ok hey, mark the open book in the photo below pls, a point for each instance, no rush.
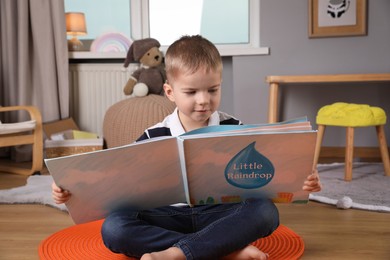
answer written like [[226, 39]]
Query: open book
[[215, 164]]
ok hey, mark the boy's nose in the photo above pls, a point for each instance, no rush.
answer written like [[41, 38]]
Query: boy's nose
[[203, 98]]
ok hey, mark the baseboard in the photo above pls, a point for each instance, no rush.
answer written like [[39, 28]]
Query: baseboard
[[337, 154]]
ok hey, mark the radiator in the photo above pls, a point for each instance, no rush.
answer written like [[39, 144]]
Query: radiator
[[94, 88]]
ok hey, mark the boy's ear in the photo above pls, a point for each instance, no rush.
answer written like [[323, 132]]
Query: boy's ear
[[169, 92]]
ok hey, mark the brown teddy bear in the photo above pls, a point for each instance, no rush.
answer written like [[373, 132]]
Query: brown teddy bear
[[150, 77]]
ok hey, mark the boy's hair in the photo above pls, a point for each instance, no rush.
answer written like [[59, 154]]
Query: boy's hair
[[189, 54]]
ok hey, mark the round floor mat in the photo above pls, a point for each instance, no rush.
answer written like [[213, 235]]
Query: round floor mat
[[84, 241]]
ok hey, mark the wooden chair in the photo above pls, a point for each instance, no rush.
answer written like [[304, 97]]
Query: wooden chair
[[351, 116], [23, 133]]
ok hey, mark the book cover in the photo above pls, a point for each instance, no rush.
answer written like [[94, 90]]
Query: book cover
[[231, 169], [141, 176], [223, 165]]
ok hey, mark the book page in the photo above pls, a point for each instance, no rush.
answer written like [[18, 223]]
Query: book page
[[298, 124], [223, 169], [141, 175]]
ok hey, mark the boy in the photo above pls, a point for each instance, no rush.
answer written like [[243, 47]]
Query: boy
[[194, 75]]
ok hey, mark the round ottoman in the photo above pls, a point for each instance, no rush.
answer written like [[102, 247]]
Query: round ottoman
[[126, 120]]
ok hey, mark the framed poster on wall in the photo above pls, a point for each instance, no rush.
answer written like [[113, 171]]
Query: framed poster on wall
[[334, 18]]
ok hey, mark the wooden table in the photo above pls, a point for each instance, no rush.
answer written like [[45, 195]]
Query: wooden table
[[276, 81]]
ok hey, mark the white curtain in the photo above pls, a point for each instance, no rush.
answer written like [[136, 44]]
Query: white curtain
[[34, 58]]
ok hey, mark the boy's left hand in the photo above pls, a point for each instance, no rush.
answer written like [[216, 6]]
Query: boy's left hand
[[312, 183]]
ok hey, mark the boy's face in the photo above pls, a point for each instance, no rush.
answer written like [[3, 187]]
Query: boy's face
[[196, 96]]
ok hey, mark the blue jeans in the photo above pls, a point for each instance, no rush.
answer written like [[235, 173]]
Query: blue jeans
[[201, 232]]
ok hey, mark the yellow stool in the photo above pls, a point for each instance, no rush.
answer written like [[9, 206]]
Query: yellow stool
[[351, 116]]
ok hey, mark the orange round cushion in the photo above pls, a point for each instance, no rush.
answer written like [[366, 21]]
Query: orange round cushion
[[84, 241], [350, 115]]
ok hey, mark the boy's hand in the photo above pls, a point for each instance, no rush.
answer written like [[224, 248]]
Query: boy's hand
[[312, 183], [59, 195]]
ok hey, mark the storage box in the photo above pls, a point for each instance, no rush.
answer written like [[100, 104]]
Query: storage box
[[58, 148], [59, 126], [67, 127], [73, 134]]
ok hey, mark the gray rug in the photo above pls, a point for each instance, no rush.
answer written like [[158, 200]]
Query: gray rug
[[368, 190]]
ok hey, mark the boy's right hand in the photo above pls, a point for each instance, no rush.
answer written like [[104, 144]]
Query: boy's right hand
[[59, 195]]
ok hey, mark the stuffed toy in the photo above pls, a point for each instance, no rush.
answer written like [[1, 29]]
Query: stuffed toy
[[150, 77]]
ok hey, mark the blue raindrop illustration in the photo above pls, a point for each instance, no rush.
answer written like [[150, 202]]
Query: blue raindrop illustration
[[249, 169]]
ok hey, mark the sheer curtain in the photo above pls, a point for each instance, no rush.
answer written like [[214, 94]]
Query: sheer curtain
[[34, 57]]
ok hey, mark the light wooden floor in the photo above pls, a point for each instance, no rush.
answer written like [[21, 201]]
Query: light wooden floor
[[329, 233]]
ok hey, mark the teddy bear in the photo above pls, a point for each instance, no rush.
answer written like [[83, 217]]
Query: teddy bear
[[150, 77]]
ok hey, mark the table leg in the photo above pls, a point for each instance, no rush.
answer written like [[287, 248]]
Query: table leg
[[273, 103]]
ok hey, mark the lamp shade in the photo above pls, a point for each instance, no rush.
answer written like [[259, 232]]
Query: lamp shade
[[75, 24]]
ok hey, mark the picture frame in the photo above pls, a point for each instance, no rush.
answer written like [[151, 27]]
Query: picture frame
[[329, 18]]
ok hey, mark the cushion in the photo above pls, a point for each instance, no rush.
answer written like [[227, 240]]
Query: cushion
[[17, 127], [84, 241], [350, 115]]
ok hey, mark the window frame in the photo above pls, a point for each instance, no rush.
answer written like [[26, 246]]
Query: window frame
[[140, 16]]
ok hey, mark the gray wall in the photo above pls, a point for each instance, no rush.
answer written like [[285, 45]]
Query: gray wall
[[284, 26]]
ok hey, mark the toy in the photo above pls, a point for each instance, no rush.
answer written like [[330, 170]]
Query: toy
[[150, 77], [344, 203]]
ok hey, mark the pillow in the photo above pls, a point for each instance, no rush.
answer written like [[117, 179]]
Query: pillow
[[17, 127]]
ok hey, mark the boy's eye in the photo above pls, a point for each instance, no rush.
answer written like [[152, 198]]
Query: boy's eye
[[213, 90]]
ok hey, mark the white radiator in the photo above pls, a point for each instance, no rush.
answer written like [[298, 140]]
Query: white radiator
[[94, 88]]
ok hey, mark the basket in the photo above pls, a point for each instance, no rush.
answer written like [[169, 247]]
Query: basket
[[61, 148]]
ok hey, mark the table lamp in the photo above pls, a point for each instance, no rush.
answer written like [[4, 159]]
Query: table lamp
[[75, 26]]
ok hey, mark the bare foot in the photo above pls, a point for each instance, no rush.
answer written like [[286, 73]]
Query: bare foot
[[249, 252], [172, 253]]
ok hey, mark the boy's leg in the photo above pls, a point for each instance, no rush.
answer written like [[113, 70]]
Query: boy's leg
[[226, 228], [203, 232], [135, 233]]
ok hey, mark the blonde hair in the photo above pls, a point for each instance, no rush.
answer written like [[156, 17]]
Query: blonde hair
[[189, 54]]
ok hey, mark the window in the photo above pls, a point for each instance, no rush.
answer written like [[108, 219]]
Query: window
[[234, 26], [170, 19], [102, 16]]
